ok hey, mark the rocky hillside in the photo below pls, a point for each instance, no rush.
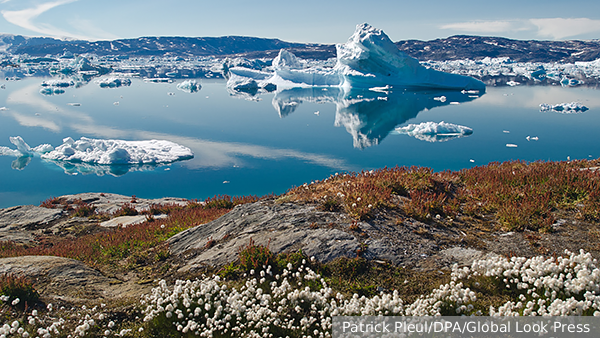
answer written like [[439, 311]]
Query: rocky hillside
[[451, 48]]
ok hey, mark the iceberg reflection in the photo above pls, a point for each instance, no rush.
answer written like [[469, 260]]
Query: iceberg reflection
[[116, 170], [369, 116]]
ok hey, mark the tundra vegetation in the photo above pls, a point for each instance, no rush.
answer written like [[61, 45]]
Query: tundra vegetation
[[288, 294]]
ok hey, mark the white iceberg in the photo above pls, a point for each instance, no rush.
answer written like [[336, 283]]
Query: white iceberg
[[371, 59], [368, 60], [189, 86], [57, 83], [435, 132], [51, 91], [118, 151], [113, 82], [567, 108]]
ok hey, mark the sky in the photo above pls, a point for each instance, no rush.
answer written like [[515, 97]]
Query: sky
[[301, 21]]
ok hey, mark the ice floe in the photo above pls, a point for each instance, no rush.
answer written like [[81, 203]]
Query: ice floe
[[189, 86], [435, 132], [368, 60], [567, 108], [118, 151], [113, 82], [105, 152]]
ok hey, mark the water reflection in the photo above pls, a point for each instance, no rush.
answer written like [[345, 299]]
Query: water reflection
[[75, 168], [369, 116]]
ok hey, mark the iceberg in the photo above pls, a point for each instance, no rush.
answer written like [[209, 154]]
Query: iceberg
[[368, 60], [189, 86], [57, 83], [113, 82], [567, 108], [435, 132], [371, 59], [101, 151]]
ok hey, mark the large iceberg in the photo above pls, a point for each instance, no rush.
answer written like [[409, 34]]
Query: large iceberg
[[435, 132], [369, 59]]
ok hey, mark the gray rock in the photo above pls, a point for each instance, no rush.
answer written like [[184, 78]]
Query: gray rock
[[290, 227], [283, 227], [109, 203], [68, 279], [18, 223]]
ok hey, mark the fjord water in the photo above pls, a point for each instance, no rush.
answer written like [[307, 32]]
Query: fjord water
[[276, 140]]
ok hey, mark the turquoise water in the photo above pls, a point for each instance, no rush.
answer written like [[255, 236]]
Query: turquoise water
[[268, 145]]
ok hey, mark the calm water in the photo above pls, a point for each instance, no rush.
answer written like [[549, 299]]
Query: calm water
[[258, 147]]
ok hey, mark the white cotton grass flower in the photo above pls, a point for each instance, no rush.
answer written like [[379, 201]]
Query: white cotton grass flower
[[298, 299]]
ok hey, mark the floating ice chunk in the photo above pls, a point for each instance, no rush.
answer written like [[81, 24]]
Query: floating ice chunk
[[511, 145], [113, 82], [57, 83], [386, 89], [43, 148], [158, 80], [567, 108], [189, 86], [51, 91], [435, 132], [286, 60], [22, 146], [23, 149], [242, 84], [118, 151]]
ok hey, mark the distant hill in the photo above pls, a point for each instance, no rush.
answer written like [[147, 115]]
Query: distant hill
[[451, 48], [477, 47]]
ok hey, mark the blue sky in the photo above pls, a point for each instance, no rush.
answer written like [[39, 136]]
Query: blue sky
[[300, 21]]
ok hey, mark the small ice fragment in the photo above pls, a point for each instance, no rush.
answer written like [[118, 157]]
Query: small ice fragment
[[510, 145], [385, 89]]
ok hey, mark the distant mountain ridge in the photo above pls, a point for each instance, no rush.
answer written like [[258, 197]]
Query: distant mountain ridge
[[451, 48]]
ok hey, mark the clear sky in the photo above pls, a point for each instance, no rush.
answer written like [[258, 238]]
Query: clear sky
[[319, 21]]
